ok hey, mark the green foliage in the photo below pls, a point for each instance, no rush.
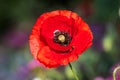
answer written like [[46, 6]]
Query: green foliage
[[19, 15]]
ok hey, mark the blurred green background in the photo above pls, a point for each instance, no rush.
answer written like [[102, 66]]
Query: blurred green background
[[17, 18]]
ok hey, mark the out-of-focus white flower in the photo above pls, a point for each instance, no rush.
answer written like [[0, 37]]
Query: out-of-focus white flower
[[36, 78]]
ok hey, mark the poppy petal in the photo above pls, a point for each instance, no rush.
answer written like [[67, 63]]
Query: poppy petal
[[52, 54]]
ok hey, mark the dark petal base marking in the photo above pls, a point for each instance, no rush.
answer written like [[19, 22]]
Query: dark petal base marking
[[65, 38]]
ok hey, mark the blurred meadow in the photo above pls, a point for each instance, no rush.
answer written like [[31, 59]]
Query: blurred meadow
[[17, 18]]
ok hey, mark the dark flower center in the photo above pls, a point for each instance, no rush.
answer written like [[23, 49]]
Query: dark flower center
[[62, 38]]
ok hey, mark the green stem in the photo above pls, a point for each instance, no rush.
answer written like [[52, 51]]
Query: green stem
[[115, 71], [73, 71]]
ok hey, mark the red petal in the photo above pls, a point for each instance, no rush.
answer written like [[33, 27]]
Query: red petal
[[83, 39], [51, 59], [42, 32], [52, 24]]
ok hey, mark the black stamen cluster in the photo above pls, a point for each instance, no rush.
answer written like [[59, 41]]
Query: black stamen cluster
[[67, 38]]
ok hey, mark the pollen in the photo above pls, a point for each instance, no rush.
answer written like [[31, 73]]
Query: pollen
[[61, 38]]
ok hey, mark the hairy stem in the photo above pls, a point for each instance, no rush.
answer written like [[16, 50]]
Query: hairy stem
[[73, 71], [114, 72]]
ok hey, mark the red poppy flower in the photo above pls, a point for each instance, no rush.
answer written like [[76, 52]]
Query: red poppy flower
[[58, 37]]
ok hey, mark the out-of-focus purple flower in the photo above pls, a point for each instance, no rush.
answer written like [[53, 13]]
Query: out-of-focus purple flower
[[114, 66], [23, 72], [118, 71], [99, 78], [118, 75], [15, 39], [33, 64], [110, 78], [99, 30]]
